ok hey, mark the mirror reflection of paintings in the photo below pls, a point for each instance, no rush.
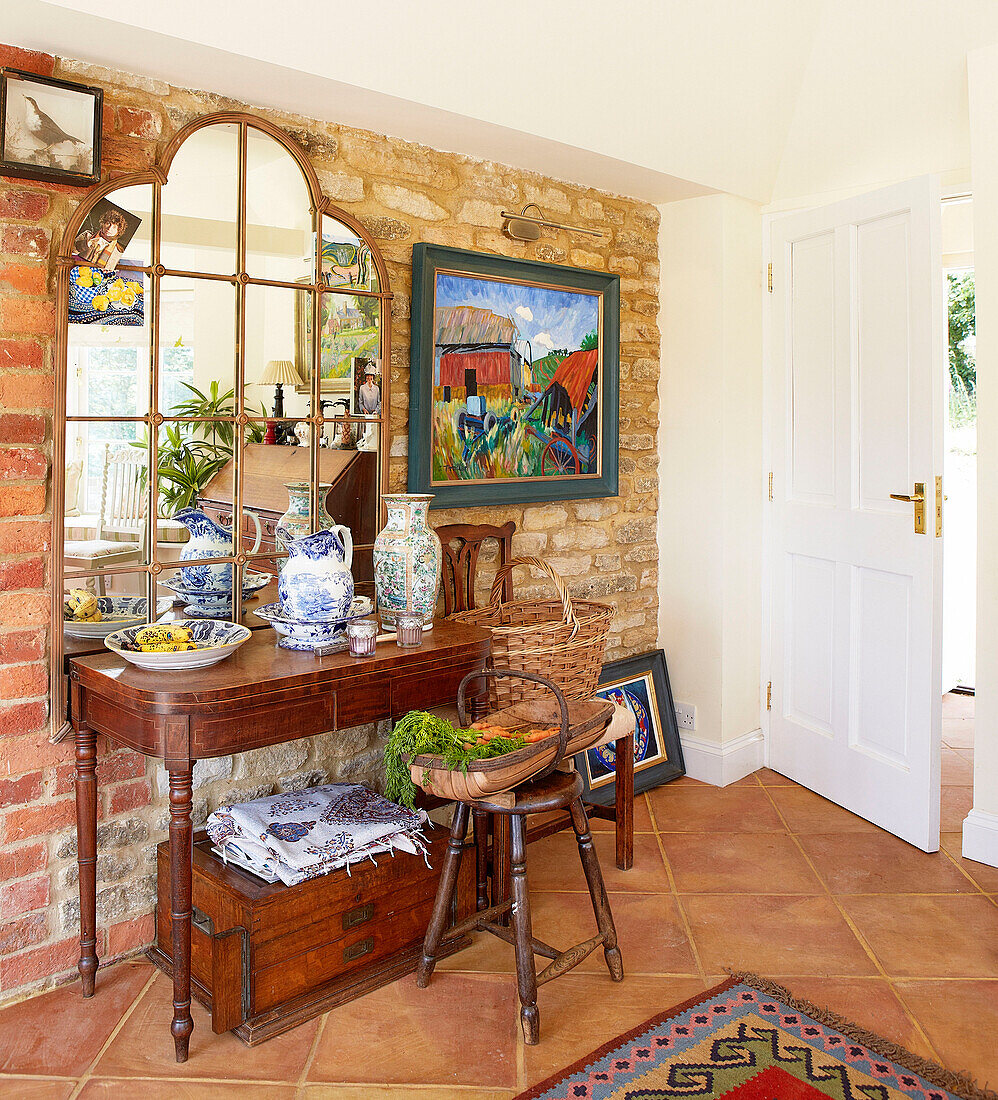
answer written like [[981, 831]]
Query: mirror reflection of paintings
[[516, 380], [349, 327], [638, 696], [50, 128], [346, 259], [366, 387], [104, 235], [106, 297]]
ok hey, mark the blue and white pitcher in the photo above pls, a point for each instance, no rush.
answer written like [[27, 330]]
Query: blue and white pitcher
[[316, 584], [210, 540]]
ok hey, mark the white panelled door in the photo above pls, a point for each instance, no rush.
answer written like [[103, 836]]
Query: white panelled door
[[854, 410]]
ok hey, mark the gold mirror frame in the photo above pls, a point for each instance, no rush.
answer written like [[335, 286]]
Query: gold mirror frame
[[157, 176]]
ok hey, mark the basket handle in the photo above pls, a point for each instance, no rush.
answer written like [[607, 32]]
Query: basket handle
[[555, 577], [501, 673]]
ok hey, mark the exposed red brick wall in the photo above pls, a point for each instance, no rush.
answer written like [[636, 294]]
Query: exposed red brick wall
[[36, 799]]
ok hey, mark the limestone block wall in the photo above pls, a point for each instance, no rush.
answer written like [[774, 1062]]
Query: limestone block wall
[[404, 193]]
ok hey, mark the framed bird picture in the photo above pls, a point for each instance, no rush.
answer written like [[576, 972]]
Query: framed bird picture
[[49, 129]]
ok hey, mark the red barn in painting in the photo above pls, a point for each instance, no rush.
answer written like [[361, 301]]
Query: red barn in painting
[[476, 348]]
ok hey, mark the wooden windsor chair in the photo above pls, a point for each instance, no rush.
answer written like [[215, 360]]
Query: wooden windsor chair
[[550, 789], [462, 546]]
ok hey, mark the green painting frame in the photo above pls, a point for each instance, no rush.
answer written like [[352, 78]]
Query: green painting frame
[[427, 261]]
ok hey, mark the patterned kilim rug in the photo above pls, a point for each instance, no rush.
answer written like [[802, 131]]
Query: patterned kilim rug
[[750, 1039]]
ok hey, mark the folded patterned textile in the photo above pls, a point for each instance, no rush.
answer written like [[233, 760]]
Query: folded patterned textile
[[309, 833]]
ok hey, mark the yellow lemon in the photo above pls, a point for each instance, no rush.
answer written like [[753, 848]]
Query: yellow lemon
[[114, 292], [135, 288], [101, 302], [127, 298]]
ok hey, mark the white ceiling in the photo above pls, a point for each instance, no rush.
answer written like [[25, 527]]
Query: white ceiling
[[660, 99]]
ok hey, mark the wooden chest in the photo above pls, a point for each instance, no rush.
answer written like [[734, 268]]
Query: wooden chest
[[265, 958]]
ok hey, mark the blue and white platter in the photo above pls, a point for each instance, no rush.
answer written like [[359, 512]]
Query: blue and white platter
[[307, 636], [215, 640], [117, 612], [214, 602]]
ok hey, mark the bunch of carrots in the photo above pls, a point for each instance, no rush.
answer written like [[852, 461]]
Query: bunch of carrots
[[487, 731]]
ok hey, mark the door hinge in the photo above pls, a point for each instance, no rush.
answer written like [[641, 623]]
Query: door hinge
[[769, 274], [769, 695], [770, 484]]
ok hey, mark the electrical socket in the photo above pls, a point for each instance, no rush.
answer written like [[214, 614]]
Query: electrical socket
[[686, 716]]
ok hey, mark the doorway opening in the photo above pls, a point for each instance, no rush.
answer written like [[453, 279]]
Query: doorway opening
[[960, 517]]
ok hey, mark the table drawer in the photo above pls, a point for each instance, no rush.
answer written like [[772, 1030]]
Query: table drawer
[[225, 732], [431, 688]]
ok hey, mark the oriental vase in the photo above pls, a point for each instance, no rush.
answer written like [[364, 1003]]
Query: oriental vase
[[407, 557], [297, 520]]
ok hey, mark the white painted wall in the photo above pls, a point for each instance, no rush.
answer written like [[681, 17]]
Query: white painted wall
[[884, 96], [710, 450], [654, 98], [981, 828]]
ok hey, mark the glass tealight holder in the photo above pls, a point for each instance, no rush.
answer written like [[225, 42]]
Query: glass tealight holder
[[408, 631], [362, 635]]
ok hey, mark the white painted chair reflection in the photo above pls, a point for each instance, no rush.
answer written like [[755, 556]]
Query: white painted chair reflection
[[119, 531]]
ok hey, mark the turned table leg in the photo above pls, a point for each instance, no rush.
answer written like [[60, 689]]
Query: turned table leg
[[86, 853], [624, 801], [181, 858], [502, 885]]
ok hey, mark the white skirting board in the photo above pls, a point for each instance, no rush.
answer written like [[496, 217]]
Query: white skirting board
[[980, 837], [720, 765]]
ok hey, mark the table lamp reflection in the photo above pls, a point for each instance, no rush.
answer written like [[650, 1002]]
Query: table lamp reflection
[[280, 373]]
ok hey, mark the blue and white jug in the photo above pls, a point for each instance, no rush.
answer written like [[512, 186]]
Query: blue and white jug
[[209, 540], [316, 584]]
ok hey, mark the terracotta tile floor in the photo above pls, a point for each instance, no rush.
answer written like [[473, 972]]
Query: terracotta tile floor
[[763, 875]]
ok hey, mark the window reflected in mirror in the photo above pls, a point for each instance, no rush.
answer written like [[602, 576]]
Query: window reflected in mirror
[[197, 347], [279, 229], [199, 228]]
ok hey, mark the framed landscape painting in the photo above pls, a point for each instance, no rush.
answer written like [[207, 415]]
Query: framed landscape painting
[[513, 384], [348, 328], [641, 685]]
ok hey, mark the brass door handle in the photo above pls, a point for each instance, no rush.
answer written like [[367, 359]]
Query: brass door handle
[[918, 499]]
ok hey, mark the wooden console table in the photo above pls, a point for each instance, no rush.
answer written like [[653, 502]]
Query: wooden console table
[[260, 696]]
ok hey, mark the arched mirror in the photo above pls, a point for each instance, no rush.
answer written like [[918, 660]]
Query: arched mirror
[[223, 335]]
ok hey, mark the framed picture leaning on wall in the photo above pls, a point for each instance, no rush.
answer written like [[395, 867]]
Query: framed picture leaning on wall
[[641, 684], [513, 382], [49, 129]]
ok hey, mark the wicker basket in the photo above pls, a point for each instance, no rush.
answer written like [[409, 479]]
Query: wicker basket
[[587, 721], [562, 640], [581, 724]]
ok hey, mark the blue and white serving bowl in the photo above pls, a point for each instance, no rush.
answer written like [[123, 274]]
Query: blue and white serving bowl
[[215, 640], [217, 602], [117, 612], [307, 636]]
